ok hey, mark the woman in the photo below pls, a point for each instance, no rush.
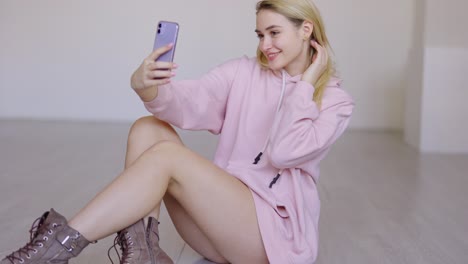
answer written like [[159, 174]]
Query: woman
[[277, 116]]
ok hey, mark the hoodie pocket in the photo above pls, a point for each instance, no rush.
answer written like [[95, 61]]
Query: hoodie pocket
[[283, 209]]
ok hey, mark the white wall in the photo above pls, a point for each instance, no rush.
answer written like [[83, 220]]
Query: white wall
[[436, 96], [414, 89], [444, 127], [446, 23], [372, 39], [73, 59]]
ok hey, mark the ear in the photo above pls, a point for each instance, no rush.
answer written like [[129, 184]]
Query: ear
[[307, 29]]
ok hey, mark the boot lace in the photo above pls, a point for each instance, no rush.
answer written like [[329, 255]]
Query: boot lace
[[124, 240], [37, 229]]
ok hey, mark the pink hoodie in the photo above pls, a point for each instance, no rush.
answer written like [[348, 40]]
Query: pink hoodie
[[256, 110]]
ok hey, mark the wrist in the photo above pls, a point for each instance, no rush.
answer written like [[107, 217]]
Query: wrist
[[148, 94], [312, 75], [134, 83], [309, 79]]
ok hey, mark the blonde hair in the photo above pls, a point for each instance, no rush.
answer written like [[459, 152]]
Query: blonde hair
[[298, 11]]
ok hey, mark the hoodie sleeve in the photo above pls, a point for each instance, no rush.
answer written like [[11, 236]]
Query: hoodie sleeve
[[196, 104], [301, 131]]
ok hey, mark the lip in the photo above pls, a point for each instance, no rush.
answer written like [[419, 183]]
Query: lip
[[271, 56]]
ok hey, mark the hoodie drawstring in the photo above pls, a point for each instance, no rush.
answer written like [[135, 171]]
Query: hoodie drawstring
[[265, 145], [275, 179]]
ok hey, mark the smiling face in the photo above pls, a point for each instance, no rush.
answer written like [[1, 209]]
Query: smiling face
[[284, 44]]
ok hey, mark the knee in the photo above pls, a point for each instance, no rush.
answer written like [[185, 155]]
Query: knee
[[149, 127], [143, 125]]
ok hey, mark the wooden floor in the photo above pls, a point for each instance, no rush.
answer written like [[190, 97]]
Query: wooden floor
[[382, 202]]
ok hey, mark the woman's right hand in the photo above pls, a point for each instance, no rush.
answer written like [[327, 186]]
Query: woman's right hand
[[151, 73]]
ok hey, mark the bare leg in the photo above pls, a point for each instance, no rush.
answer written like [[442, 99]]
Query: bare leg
[[144, 133], [219, 204]]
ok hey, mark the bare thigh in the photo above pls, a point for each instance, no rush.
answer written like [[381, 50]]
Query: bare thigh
[[146, 132], [219, 204]]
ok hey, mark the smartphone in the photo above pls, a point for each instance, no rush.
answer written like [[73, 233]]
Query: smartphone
[[166, 33]]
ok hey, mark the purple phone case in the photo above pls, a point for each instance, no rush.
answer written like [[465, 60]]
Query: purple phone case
[[166, 33]]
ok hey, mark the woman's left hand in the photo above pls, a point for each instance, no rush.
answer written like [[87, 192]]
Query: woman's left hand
[[318, 66]]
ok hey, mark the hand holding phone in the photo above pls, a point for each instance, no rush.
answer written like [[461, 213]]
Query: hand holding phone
[[157, 68], [166, 33]]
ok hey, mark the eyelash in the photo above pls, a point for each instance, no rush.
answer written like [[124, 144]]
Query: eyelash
[[272, 33]]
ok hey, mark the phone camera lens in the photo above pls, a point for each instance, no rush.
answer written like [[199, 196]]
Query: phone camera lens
[[159, 31], [159, 25]]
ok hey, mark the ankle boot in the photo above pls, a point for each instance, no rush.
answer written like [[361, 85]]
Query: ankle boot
[[137, 245], [51, 241], [160, 257], [132, 242]]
